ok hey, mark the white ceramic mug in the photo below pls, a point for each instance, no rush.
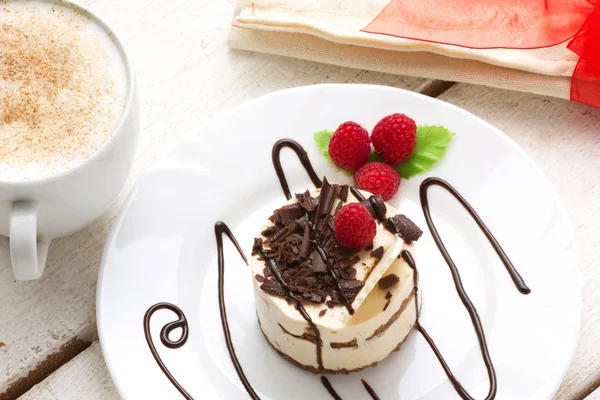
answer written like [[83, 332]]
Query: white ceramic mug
[[34, 212]]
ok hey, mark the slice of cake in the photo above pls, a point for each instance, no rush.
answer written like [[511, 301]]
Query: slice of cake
[[326, 307]]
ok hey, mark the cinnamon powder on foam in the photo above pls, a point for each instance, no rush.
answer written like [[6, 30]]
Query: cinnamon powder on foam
[[56, 100]]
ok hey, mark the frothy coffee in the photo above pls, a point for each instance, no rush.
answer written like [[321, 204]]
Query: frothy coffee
[[63, 87]]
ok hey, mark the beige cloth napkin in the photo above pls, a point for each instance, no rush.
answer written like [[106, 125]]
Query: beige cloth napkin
[[329, 31]]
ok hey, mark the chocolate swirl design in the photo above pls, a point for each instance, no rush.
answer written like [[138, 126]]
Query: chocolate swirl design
[[222, 229], [182, 323], [330, 388], [406, 255], [510, 268], [464, 297], [302, 156], [370, 390]]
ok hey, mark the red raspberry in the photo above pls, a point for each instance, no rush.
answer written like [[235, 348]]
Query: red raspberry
[[349, 147], [354, 226], [394, 137], [378, 178]]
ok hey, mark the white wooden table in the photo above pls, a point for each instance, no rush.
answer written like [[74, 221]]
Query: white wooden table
[[48, 336]]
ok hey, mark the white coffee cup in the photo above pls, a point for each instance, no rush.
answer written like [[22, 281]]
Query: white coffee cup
[[33, 212]]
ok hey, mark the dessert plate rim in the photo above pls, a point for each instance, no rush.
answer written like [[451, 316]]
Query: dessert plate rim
[[172, 165]]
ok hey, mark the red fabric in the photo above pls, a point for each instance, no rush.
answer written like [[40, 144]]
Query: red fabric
[[483, 24], [585, 85], [513, 24]]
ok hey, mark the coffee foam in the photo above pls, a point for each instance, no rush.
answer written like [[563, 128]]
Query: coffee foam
[[63, 87]]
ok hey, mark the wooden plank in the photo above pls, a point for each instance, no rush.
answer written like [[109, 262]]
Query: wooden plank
[[588, 388], [594, 396], [84, 377], [186, 74], [563, 138]]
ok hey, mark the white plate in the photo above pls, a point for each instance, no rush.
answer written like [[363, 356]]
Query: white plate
[[162, 249]]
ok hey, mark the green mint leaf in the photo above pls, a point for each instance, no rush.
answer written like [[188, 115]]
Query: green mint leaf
[[374, 157], [322, 139], [432, 141]]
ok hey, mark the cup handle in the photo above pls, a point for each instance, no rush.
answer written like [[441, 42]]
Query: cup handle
[[28, 252]]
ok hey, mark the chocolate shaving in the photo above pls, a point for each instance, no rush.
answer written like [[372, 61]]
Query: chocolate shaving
[[294, 238], [300, 279], [388, 281], [324, 225], [367, 204], [300, 231], [311, 282], [376, 207], [259, 278], [347, 262], [388, 295], [351, 273], [270, 231], [267, 272], [351, 288], [275, 218], [322, 312], [282, 234], [387, 304], [257, 246], [378, 252], [313, 297], [343, 194], [326, 197], [307, 202], [338, 207], [332, 224], [305, 247], [290, 212], [318, 265], [346, 273], [271, 286], [404, 227], [343, 252]]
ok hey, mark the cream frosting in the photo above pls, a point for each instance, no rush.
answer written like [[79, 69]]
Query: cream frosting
[[350, 342]]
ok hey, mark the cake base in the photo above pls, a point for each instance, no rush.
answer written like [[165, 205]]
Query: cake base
[[314, 370]]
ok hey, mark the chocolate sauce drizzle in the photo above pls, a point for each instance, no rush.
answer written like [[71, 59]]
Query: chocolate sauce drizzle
[[517, 279], [288, 293], [335, 278], [302, 156], [221, 228], [370, 390], [379, 213], [515, 276], [330, 388], [512, 271], [182, 323]]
